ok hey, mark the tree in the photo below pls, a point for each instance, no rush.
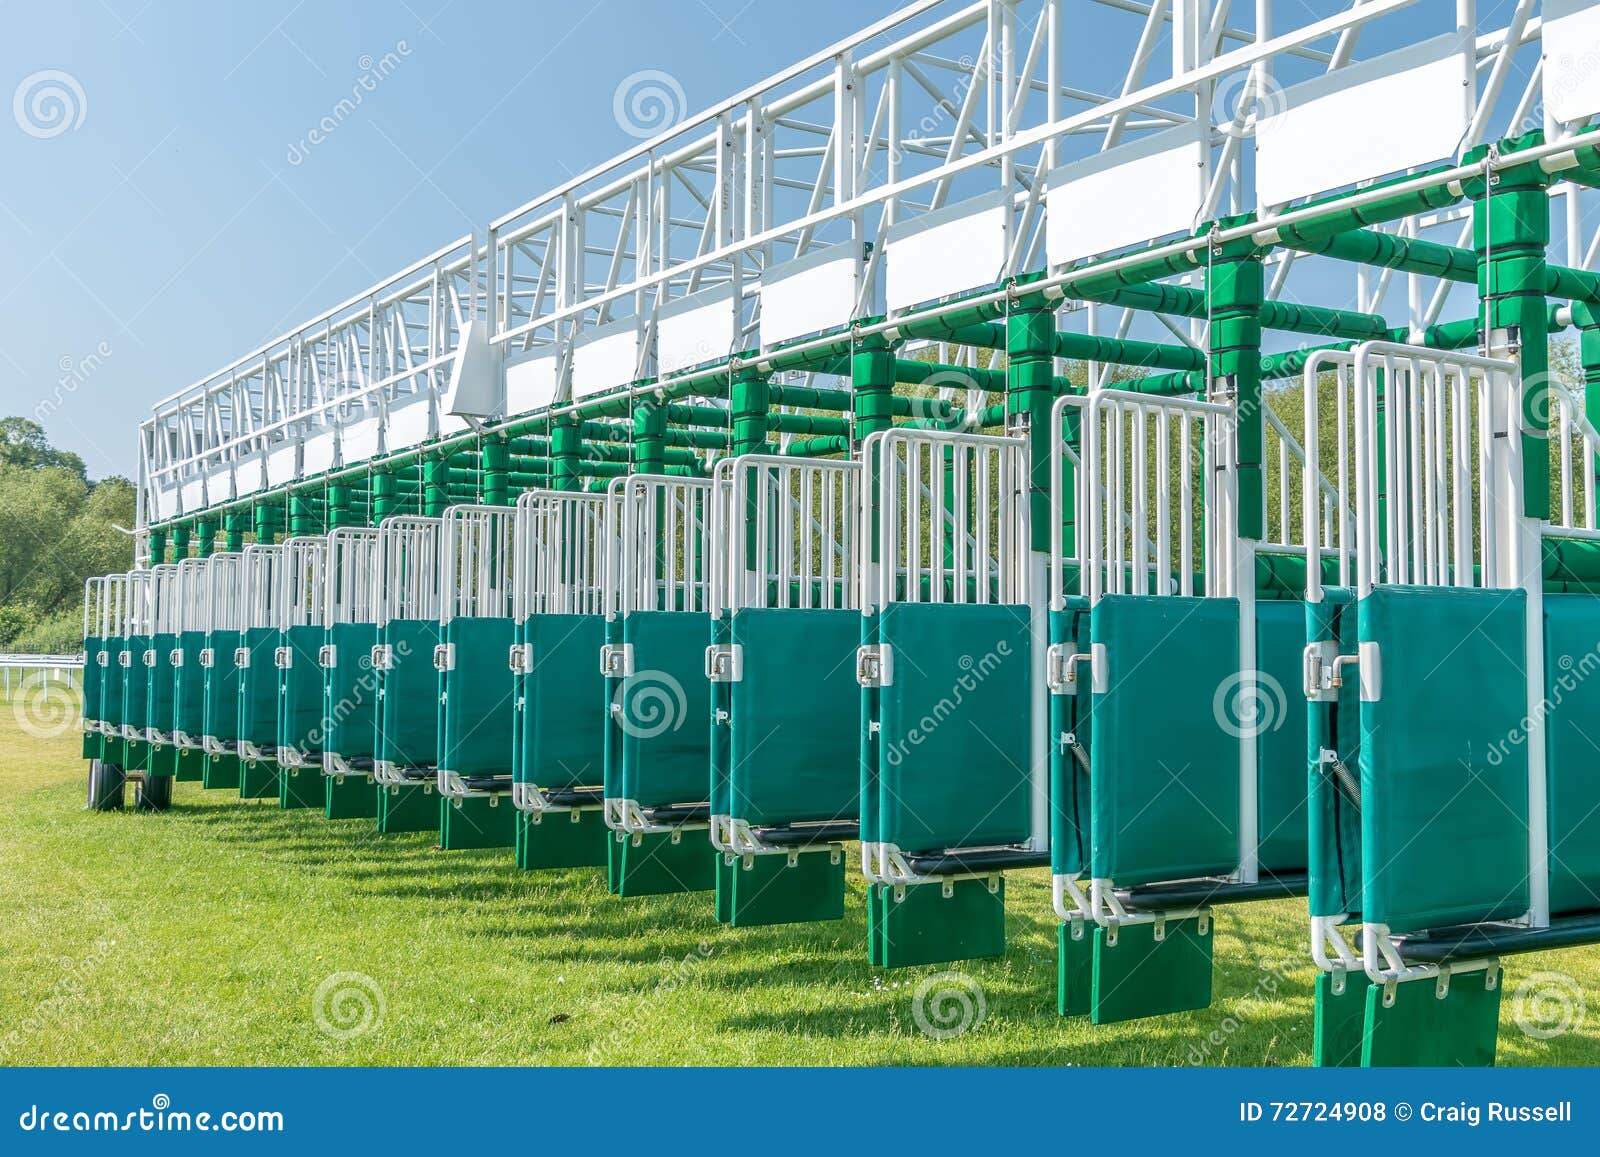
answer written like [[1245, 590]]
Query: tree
[[23, 443]]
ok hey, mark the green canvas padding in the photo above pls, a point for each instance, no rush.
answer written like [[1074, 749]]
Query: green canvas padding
[[408, 723], [1070, 799], [1333, 820], [954, 751], [1281, 739], [867, 747], [94, 679], [258, 779], [220, 688], [188, 691], [349, 797], [162, 683], [300, 722], [612, 771], [136, 684], [1444, 791], [1572, 741], [350, 692], [1074, 968], [1422, 1029], [661, 864], [188, 764], [407, 809], [1165, 797], [258, 688], [664, 707], [301, 787], [794, 725], [112, 679], [476, 699], [561, 737]]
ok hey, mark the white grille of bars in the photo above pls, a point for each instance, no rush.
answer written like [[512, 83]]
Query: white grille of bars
[[351, 589], [164, 598], [563, 539], [661, 556], [95, 594], [785, 533], [260, 585], [136, 604], [410, 587], [113, 599], [1574, 444], [1287, 470], [1155, 495], [952, 518], [300, 582], [1452, 466], [476, 567], [192, 588], [223, 608]]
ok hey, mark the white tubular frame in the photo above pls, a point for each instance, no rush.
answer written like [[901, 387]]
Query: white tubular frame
[[477, 579], [94, 610], [988, 524], [805, 519], [409, 586], [562, 543], [222, 609], [662, 561], [1455, 501], [301, 590], [351, 582]]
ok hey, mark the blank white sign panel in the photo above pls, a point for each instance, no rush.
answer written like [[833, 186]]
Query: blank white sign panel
[[166, 503], [358, 440], [1135, 192], [810, 294], [408, 425], [948, 251], [696, 329], [531, 384], [1571, 58], [219, 485], [247, 477], [282, 464], [193, 494], [319, 454], [1368, 120], [605, 358]]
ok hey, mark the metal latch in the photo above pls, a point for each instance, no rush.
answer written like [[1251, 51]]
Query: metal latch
[[875, 665], [103, 658], [283, 658], [444, 657], [125, 659], [1061, 668], [175, 656], [382, 657], [327, 656], [208, 657], [150, 658], [616, 660], [1318, 671], [519, 658], [241, 657], [725, 662]]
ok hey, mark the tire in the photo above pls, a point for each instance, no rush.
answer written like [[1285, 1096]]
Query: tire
[[155, 793], [107, 786]]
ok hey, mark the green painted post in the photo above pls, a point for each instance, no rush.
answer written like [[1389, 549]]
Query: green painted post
[[205, 537], [180, 541], [339, 513], [749, 402], [158, 547], [1511, 232], [649, 438], [566, 452], [266, 523], [1030, 394], [234, 525], [385, 500], [1236, 287], [872, 386], [496, 459], [302, 516], [435, 484]]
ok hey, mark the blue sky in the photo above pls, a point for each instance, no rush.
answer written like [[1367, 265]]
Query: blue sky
[[168, 232]]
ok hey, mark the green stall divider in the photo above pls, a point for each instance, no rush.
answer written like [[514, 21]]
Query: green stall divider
[[660, 864], [188, 687], [1151, 969], [1340, 1007], [188, 765], [350, 693], [220, 771], [664, 709], [258, 689], [476, 699], [1281, 729], [300, 787], [220, 688], [349, 797], [258, 779], [1333, 809], [300, 720], [922, 924], [781, 889], [1433, 1024]]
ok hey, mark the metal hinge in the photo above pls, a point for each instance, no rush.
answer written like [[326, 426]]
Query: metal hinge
[[725, 662], [241, 657], [208, 657], [125, 659], [1061, 668], [327, 656], [616, 660], [175, 656], [1317, 671], [444, 657], [382, 657], [518, 658], [283, 658], [875, 665], [150, 658]]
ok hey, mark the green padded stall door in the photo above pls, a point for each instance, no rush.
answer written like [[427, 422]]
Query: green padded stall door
[[1444, 792], [665, 708], [188, 764], [768, 890], [94, 679], [258, 779], [661, 864], [300, 723], [1166, 798], [349, 797], [220, 688], [162, 676], [794, 718], [408, 725], [954, 750], [1280, 724], [188, 691], [1333, 814], [220, 771], [301, 787], [921, 925], [1572, 736], [563, 704], [477, 699], [408, 809], [1145, 971], [1070, 716], [113, 676], [258, 688], [136, 684], [350, 692]]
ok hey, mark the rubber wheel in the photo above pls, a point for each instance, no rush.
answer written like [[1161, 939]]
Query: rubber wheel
[[155, 793], [107, 784]]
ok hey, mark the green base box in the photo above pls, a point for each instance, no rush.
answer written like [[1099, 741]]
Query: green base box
[[726, 867], [135, 755], [221, 771], [478, 821], [258, 779], [163, 760], [94, 745], [661, 864], [1340, 1021], [1151, 969], [1074, 968], [921, 924], [299, 787], [770, 890], [408, 809], [1416, 1026], [190, 765], [575, 839], [349, 797]]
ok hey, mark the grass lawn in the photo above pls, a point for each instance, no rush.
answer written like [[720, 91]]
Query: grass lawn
[[203, 936]]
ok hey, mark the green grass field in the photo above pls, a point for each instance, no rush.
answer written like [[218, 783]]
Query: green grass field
[[203, 936]]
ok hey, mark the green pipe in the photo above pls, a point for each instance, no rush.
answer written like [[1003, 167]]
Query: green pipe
[[819, 447], [808, 424]]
